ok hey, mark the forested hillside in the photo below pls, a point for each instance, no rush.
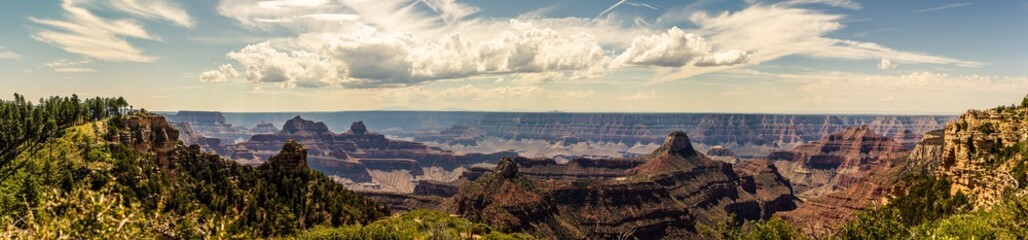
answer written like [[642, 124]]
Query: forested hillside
[[96, 168]]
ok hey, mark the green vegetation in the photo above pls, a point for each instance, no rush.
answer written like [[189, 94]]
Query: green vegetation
[[66, 179], [771, 229], [928, 198], [24, 125], [419, 224], [199, 195], [874, 223], [986, 128], [1008, 220]]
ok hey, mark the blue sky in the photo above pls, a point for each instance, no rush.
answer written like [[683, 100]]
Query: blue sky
[[791, 56]]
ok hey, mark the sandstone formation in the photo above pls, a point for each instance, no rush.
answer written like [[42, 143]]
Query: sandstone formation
[[980, 151], [928, 154], [150, 134]]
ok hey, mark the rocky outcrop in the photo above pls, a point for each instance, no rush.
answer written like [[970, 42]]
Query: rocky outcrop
[[665, 195], [928, 154], [980, 151], [149, 134]]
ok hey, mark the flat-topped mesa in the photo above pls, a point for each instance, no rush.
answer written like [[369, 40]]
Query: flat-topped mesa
[[299, 125], [293, 157], [358, 128]]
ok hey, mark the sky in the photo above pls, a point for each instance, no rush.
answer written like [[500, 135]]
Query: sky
[[753, 56]]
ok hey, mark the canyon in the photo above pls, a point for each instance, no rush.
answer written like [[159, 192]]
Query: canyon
[[552, 134], [815, 172]]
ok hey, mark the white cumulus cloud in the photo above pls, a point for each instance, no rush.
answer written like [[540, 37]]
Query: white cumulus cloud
[[368, 58], [726, 58], [887, 64], [223, 74], [675, 48]]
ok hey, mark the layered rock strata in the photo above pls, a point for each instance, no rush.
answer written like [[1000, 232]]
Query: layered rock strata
[[835, 161]]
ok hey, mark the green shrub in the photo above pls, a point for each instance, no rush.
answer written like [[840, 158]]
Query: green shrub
[[419, 224], [771, 229], [875, 223]]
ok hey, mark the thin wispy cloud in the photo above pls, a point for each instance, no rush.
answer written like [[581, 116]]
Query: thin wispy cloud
[[83, 32], [611, 8], [69, 66], [834, 3], [4, 54], [644, 5], [155, 10], [947, 6]]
